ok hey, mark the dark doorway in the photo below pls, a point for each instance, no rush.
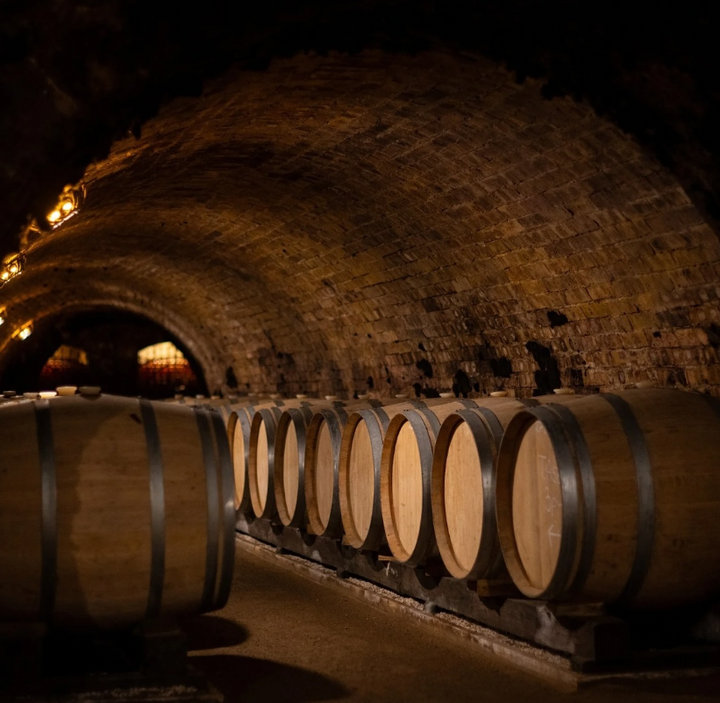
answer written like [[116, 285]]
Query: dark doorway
[[98, 347]]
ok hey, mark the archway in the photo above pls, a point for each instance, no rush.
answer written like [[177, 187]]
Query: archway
[[97, 346]]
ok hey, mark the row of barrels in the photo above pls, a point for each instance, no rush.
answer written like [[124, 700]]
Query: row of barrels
[[606, 498]]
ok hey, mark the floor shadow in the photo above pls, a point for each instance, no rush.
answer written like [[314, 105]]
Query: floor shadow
[[212, 632], [696, 686], [264, 681]]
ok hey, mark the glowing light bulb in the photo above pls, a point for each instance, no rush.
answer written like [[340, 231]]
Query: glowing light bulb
[[54, 216], [5, 275], [2, 320], [67, 206], [25, 333], [14, 268]]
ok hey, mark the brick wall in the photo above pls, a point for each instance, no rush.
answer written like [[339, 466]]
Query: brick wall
[[405, 222]]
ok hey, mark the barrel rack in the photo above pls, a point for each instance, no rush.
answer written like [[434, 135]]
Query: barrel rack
[[592, 639]]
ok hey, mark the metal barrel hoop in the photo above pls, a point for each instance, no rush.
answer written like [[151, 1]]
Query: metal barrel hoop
[[227, 485], [245, 505], [213, 507], [375, 534], [578, 445], [561, 579], [507, 458], [484, 437], [157, 508], [646, 497], [335, 420], [425, 437], [269, 418], [299, 419]]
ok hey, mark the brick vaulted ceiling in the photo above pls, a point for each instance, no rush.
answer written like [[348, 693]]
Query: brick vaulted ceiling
[[395, 220]]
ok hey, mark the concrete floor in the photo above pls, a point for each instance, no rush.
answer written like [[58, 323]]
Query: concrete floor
[[284, 637]]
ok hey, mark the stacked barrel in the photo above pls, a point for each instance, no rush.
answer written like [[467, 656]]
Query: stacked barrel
[[610, 498]]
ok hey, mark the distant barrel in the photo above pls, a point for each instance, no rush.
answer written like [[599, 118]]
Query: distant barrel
[[359, 468], [238, 431], [262, 454], [324, 437], [289, 466]]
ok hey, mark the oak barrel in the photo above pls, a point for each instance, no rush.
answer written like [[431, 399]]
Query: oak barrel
[[359, 472], [324, 437], [613, 498], [289, 466], [261, 457], [238, 432], [405, 480], [463, 487], [113, 510]]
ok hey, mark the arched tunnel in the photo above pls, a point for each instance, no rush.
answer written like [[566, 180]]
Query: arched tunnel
[[393, 209], [367, 197]]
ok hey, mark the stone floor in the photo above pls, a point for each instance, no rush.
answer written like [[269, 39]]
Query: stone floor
[[284, 637]]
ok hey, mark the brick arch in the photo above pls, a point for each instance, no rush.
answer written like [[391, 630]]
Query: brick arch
[[48, 306], [418, 220]]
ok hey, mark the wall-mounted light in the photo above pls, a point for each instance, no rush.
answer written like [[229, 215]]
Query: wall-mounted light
[[12, 265], [3, 315], [68, 205], [23, 332]]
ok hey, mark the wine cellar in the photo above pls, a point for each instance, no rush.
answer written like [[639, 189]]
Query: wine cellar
[[363, 351]]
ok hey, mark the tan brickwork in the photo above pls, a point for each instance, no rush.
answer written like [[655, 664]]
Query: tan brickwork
[[338, 218]]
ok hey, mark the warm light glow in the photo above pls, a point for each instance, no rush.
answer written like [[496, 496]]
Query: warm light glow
[[23, 332], [12, 265], [68, 204], [164, 352], [68, 353]]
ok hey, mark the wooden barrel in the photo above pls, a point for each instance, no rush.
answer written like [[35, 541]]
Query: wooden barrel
[[613, 498], [289, 466], [405, 480], [463, 487], [113, 510], [261, 458], [359, 471], [322, 456], [238, 432], [224, 406], [289, 461]]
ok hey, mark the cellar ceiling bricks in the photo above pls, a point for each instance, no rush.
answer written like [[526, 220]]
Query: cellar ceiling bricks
[[391, 209]]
